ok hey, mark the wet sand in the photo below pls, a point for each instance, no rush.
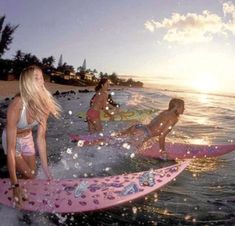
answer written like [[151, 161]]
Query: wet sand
[[10, 88]]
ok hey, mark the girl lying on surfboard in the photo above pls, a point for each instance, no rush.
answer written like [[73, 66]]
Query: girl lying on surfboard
[[99, 102], [30, 107], [160, 126]]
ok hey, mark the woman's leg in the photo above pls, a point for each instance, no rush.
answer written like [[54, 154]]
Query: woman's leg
[[25, 156], [26, 165], [90, 126], [98, 125], [94, 121], [94, 126], [128, 131]]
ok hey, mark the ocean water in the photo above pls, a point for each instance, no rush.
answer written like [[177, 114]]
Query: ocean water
[[204, 194]]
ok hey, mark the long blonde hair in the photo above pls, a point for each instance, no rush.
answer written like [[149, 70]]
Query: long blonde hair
[[37, 99]]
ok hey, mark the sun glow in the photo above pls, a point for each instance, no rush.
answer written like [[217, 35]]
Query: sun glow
[[205, 83]]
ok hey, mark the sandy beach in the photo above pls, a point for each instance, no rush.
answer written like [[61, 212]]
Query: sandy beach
[[10, 88]]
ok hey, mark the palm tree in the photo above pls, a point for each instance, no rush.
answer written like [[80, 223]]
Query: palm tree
[[5, 35]]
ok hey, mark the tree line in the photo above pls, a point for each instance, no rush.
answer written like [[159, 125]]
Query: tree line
[[21, 60]]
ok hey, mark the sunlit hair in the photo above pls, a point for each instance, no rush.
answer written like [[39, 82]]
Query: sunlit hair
[[175, 102], [101, 84], [37, 99]]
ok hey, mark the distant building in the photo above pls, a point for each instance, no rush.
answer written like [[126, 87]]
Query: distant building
[[88, 76], [67, 75]]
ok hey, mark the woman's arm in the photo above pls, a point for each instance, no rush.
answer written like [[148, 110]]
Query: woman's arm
[[128, 131], [41, 143], [162, 143], [167, 127], [13, 113], [105, 106]]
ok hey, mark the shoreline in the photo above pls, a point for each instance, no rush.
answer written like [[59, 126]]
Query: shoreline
[[10, 88]]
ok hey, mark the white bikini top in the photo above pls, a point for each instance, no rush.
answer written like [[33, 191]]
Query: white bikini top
[[23, 124]]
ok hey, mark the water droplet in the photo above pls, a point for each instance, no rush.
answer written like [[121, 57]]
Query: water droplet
[[69, 151], [80, 143], [75, 156], [134, 210], [132, 155], [107, 169], [76, 165]]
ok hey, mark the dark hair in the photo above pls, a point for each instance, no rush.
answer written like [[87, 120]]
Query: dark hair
[[112, 102], [101, 84], [175, 101]]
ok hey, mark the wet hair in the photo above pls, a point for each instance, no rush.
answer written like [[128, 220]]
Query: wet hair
[[175, 102], [37, 99], [101, 84]]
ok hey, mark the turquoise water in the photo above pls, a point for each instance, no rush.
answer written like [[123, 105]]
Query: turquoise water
[[204, 194]]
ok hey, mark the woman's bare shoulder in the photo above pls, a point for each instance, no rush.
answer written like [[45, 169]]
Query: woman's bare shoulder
[[16, 103], [102, 96], [164, 113], [167, 115]]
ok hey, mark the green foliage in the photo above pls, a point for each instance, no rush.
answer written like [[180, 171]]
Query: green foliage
[[65, 68], [6, 66], [22, 60], [6, 35], [47, 65]]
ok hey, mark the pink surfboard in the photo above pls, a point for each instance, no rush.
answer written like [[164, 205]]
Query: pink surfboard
[[174, 150], [88, 139], [187, 151], [89, 194]]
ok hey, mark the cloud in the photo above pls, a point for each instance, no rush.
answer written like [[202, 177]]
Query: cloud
[[194, 27], [229, 11], [149, 26]]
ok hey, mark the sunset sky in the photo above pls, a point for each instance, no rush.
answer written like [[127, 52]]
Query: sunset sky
[[173, 42]]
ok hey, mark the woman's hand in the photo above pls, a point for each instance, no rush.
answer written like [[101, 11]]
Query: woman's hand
[[18, 196], [48, 174]]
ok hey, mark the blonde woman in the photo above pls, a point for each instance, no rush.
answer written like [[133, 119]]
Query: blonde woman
[[30, 107]]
